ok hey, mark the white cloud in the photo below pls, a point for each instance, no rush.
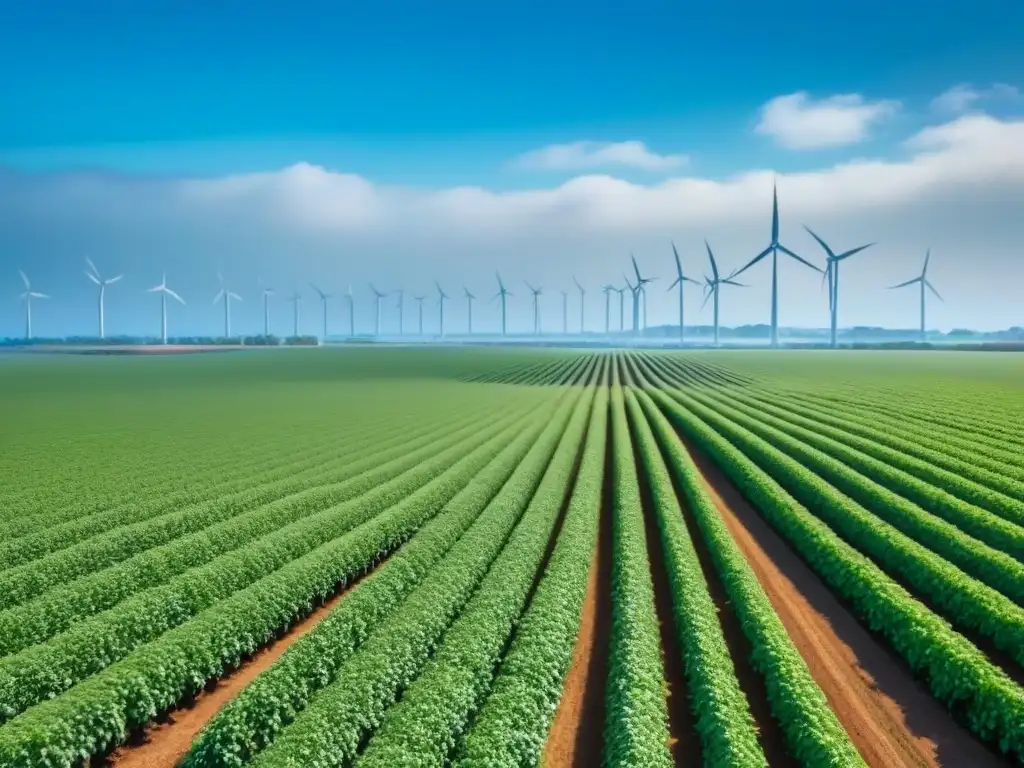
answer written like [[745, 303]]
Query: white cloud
[[959, 189], [796, 121], [962, 96], [587, 155]]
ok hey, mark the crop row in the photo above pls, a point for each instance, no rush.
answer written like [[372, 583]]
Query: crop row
[[425, 726], [98, 712], [331, 728], [957, 673]]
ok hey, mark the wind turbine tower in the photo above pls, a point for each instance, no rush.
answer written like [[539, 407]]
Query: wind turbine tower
[[420, 300], [503, 294], [267, 293], [351, 311], [323, 304], [712, 286], [27, 297], [93, 274], [401, 311], [378, 295], [441, 296], [832, 276], [565, 312], [773, 248], [295, 298], [640, 294], [634, 291], [536, 307], [164, 292], [469, 307], [583, 294], [226, 295], [607, 306], [680, 280], [925, 283], [622, 306]]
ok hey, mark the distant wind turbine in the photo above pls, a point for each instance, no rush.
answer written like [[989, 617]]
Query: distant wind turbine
[[607, 306], [565, 311], [93, 274], [832, 276], [680, 280], [583, 294], [712, 285], [323, 304], [925, 283], [536, 307], [469, 307], [401, 310], [503, 294], [27, 297], [773, 248], [351, 311], [441, 296], [622, 305], [226, 295], [267, 293], [378, 295], [420, 300], [164, 292], [295, 299], [635, 291], [641, 293]]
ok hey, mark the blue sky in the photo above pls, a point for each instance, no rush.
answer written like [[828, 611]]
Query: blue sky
[[418, 99]]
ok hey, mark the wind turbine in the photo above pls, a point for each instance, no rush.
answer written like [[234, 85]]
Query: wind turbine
[[164, 292], [536, 307], [641, 282], [923, 280], [713, 285], [503, 294], [832, 275], [420, 300], [441, 296], [323, 303], [583, 293], [401, 310], [622, 306], [634, 291], [680, 280], [295, 298], [607, 307], [93, 274], [469, 305], [351, 311], [378, 295], [226, 296], [267, 293], [27, 297], [773, 248], [565, 311]]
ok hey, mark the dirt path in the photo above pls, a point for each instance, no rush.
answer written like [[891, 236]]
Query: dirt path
[[890, 718], [162, 744], [576, 737]]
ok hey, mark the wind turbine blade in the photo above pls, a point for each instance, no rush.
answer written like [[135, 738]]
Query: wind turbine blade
[[93, 277], [176, 296], [217, 297], [714, 266], [155, 288], [803, 261], [753, 261], [826, 273], [775, 213], [578, 284], [821, 242], [24, 279], [932, 289], [114, 279], [35, 295], [691, 280], [927, 258], [636, 269], [92, 266], [852, 251], [675, 283], [909, 282], [727, 281], [706, 297], [235, 296], [220, 278], [679, 264]]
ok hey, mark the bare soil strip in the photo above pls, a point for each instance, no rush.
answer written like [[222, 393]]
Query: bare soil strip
[[891, 719], [576, 737], [164, 742]]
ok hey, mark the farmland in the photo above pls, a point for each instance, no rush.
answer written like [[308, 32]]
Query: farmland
[[496, 557]]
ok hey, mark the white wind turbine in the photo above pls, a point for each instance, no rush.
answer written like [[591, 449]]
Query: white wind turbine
[[164, 292], [226, 295], [400, 292], [378, 295], [323, 303], [441, 296], [267, 293], [469, 307], [93, 274], [295, 299], [27, 297]]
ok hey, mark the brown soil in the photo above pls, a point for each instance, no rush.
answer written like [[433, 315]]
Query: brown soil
[[576, 737], [891, 720], [163, 744]]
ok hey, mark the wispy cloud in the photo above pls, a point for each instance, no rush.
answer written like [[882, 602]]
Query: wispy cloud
[[962, 96], [797, 121], [590, 155]]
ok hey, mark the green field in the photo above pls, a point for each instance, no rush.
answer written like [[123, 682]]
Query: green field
[[495, 557]]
